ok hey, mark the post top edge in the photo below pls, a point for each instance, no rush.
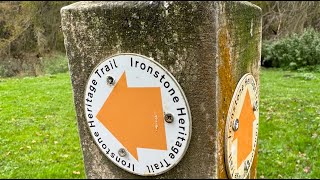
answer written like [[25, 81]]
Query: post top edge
[[83, 5]]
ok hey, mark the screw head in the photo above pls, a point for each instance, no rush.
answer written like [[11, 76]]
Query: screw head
[[122, 152], [168, 118], [246, 165], [235, 126], [110, 80]]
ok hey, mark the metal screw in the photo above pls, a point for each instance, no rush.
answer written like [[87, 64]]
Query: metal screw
[[110, 80], [246, 165], [122, 152], [235, 126], [255, 106], [168, 118]]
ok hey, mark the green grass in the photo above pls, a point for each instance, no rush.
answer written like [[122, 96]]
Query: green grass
[[39, 138], [289, 128]]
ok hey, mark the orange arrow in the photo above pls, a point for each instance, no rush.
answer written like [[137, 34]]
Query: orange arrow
[[134, 116], [244, 133]]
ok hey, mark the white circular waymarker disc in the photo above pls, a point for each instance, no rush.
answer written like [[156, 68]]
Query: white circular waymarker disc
[[241, 131], [127, 99]]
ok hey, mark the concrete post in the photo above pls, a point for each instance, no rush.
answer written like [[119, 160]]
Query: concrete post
[[206, 46]]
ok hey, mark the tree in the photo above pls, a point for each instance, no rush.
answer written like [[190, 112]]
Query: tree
[[281, 18]]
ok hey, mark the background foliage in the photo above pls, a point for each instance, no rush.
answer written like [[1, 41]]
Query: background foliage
[[282, 18], [293, 52], [30, 31], [287, 32]]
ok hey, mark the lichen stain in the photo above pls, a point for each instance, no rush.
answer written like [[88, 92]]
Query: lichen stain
[[226, 84]]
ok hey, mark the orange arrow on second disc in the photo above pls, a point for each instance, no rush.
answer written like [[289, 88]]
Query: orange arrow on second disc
[[135, 117]]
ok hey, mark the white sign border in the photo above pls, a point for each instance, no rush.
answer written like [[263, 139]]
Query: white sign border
[[183, 96], [228, 121]]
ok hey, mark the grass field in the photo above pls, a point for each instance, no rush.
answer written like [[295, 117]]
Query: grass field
[[289, 128], [39, 138]]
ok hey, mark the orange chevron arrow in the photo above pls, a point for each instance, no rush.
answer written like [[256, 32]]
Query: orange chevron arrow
[[135, 117], [244, 133]]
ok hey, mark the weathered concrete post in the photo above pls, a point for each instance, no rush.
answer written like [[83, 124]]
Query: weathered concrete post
[[211, 49]]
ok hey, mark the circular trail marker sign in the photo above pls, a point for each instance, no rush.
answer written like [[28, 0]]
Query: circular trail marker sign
[[241, 132], [137, 114]]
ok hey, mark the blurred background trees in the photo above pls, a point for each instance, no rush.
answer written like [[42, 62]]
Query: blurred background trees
[[31, 39], [290, 31], [29, 31], [282, 18]]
